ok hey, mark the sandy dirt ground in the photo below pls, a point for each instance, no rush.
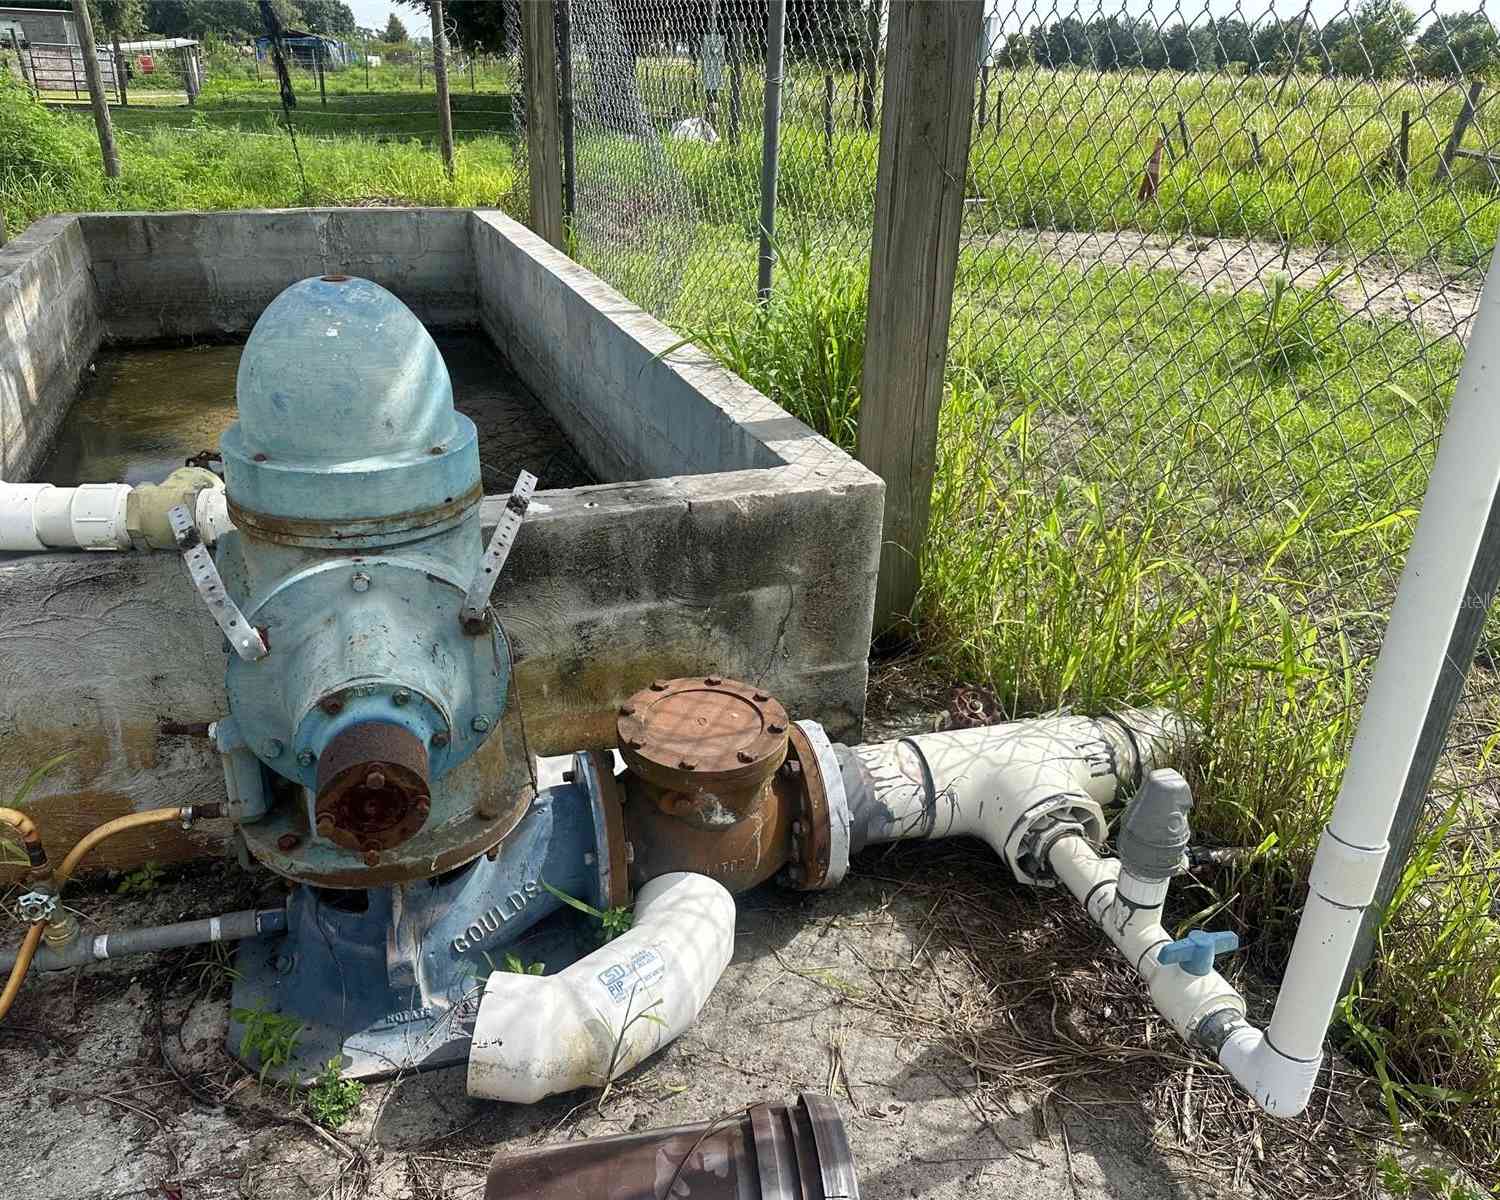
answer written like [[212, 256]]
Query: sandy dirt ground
[[979, 1037]]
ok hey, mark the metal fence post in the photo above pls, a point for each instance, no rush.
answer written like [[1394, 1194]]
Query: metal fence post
[[543, 135], [565, 82], [1463, 643], [925, 126], [770, 155], [97, 99]]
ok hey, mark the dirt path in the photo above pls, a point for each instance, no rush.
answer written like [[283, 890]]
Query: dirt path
[[1374, 285]]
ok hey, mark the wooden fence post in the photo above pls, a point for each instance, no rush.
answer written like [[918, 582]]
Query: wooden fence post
[[440, 82], [925, 125], [1403, 149], [95, 77], [543, 130], [1460, 126]]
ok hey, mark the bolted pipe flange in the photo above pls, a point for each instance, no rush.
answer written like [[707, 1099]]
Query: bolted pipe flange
[[707, 743]]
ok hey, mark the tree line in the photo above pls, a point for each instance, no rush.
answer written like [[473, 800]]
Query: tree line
[[1375, 41]]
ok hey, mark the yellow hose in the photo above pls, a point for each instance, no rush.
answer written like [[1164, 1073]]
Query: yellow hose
[[23, 964], [22, 824], [157, 816]]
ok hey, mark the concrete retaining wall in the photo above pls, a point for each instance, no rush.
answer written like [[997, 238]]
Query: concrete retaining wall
[[753, 553], [49, 331]]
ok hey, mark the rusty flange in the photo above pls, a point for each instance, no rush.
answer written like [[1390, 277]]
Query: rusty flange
[[811, 837], [706, 742], [614, 855], [372, 787]]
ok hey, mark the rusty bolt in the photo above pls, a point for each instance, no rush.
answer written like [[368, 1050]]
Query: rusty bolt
[[688, 764], [375, 780], [306, 758], [713, 681], [287, 841], [372, 858], [745, 756], [325, 826], [259, 457], [627, 710], [761, 697], [658, 685], [360, 581], [440, 738], [493, 852], [479, 724], [332, 705], [400, 696], [776, 727]]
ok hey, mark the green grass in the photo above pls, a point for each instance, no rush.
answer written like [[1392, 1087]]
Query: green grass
[[49, 163]]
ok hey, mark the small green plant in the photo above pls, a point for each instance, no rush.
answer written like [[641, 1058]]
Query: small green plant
[[9, 851], [332, 1099], [612, 921], [269, 1036], [141, 881], [516, 967]]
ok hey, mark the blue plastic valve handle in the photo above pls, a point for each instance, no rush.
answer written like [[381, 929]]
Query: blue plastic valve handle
[[1197, 951]]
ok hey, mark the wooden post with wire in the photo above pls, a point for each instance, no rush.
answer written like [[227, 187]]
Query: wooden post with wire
[[318, 61], [1465, 118], [97, 100], [925, 124], [543, 129], [440, 84]]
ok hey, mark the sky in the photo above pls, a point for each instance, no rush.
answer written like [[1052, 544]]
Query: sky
[[373, 14]]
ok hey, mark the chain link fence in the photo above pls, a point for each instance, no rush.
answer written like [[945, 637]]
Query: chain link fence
[[1216, 271]]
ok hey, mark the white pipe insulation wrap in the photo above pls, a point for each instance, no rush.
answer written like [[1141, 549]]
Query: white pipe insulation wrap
[[535, 1036], [1000, 782], [1278, 1067], [39, 516]]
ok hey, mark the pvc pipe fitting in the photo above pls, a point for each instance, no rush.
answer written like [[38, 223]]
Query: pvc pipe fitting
[[39, 516], [611, 1010]]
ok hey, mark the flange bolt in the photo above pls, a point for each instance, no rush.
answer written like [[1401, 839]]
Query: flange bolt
[[713, 681], [627, 710], [375, 780], [688, 764], [287, 841], [658, 685], [745, 756], [776, 727], [440, 738], [480, 724], [306, 758], [400, 696], [272, 748], [360, 582], [325, 826]]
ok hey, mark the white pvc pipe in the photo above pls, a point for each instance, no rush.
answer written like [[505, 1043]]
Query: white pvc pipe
[[1183, 998], [593, 1021], [39, 516], [1279, 1066], [996, 782]]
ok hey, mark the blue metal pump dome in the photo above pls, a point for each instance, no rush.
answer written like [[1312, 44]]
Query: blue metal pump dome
[[346, 418]]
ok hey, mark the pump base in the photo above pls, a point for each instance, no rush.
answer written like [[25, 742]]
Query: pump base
[[388, 979]]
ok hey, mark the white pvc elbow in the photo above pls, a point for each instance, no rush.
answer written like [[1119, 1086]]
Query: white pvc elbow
[[1280, 1085], [537, 1036], [39, 516]]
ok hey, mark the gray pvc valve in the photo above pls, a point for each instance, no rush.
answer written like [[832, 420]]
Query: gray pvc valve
[[1154, 836]]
